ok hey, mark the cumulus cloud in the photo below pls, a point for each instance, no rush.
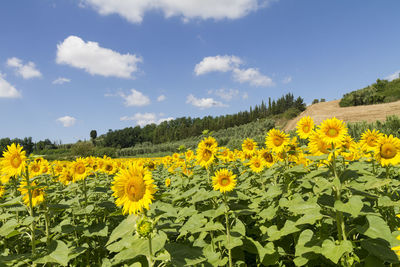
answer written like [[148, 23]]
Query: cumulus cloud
[[287, 79], [61, 80], [134, 10], [135, 99], [203, 102], [227, 94], [27, 71], [67, 121], [393, 76], [217, 63], [7, 90], [233, 63], [96, 60], [252, 76], [161, 98], [143, 119]]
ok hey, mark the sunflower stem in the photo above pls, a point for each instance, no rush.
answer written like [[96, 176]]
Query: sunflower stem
[[228, 233], [47, 224], [150, 257], [31, 212], [339, 215]]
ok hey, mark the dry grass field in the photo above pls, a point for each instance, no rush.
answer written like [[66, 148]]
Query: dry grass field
[[369, 113]]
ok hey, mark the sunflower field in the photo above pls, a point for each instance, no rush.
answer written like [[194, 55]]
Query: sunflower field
[[318, 198]]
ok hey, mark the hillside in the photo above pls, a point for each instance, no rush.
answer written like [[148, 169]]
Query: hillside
[[369, 113]]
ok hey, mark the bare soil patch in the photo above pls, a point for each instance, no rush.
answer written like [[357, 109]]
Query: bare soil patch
[[325, 110]]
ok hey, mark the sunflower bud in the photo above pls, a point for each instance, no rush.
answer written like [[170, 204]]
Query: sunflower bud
[[144, 227]]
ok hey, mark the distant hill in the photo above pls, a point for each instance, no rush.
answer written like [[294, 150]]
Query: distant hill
[[382, 91], [369, 113]]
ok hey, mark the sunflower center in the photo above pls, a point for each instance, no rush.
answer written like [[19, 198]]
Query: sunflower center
[[207, 155], [257, 164], [109, 167], [36, 193], [15, 161], [388, 151], [80, 169], [277, 141], [268, 157], [306, 128], [224, 181], [135, 190], [371, 141], [249, 146], [35, 168], [332, 132]]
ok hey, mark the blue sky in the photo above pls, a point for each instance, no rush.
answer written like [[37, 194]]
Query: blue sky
[[68, 67]]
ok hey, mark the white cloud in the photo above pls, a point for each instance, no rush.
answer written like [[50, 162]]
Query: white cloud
[[7, 90], [287, 79], [393, 76], [27, 71], [134, 10], [61, 80], [136, 99], [203, 102], [217, 63], [161, 98], [245, 95], [67, 121], [252, 76], [96, 60], [232, 63], [143, 119], [226, 94]]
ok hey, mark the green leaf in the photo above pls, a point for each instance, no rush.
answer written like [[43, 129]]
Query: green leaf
[[58, 253], [376, 183], [8, 227], [184, 255], [126, 227], [353, 206], [334, 252], [380, 248], [273, 191], [375, 227]]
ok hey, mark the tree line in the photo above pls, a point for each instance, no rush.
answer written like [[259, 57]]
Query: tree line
[[185, 127]]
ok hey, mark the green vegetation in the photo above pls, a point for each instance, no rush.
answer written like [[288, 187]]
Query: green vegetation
[[167, 137], [382, 91], [186, 127]]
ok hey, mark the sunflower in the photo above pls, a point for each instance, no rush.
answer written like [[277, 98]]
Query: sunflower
[[317, 146], [110, 168], [205, 156], [276, 140], [37, 193], [2, 190], [167, 182], [256, 164], [189, 155], [249, 147], [369, 138], [66, 176], [133, 189], [34, 169], [223, 154], [14, 160], [387, 150], [305, 126], [332, 131], [267, 157], [208, 142], [79, 169], [224, 180]]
